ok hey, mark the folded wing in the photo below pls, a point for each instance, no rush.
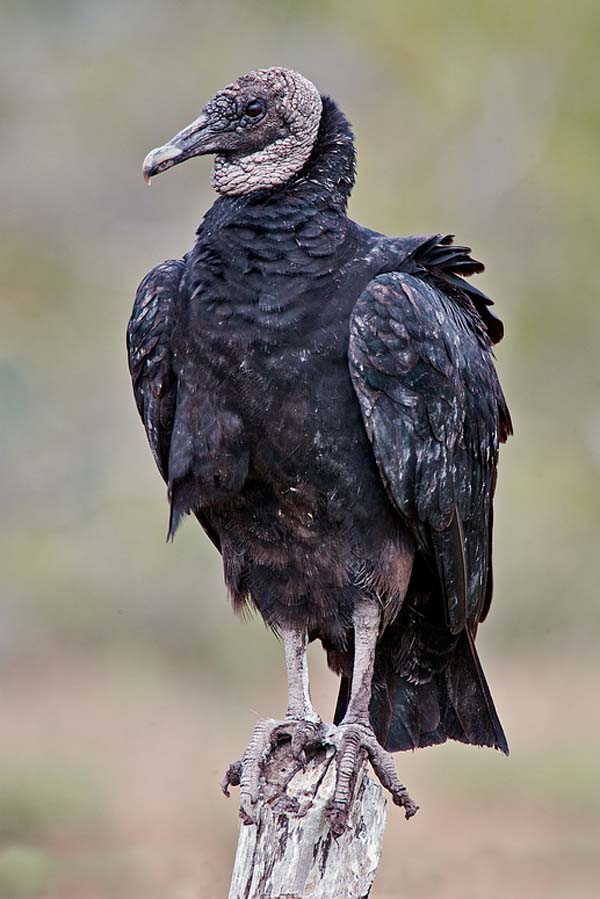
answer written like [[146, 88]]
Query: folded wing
[[151, 363], [422, 367]]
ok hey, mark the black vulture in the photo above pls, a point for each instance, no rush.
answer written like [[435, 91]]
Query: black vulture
[[323, 399]]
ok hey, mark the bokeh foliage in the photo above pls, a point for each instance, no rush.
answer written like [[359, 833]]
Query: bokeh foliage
[[477, 117]]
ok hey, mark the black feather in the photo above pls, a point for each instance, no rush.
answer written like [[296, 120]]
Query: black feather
[[323, 399]]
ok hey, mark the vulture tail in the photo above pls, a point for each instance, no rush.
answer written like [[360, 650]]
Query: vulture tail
[[454, 704]]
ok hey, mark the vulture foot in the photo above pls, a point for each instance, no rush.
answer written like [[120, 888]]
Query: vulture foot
[[354, 742], [300, 733]]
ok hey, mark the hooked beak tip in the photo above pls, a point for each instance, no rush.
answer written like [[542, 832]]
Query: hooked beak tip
[[187, 143], [158, 160]]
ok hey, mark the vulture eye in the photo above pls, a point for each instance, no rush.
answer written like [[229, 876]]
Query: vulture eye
[[254, 108]]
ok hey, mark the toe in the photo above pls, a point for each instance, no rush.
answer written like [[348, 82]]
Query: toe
[[349, 757], [355, 741], [338, 819], [249, 773], [248, 812], [231, 778]]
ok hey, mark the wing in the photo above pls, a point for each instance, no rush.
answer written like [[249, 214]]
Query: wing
[[148, 338], [421, 364], [151, 365]]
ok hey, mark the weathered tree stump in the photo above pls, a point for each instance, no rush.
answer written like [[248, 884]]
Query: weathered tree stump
[[291, 852]]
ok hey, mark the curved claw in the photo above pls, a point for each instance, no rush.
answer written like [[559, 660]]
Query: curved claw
[[357, 741], [246, 773], [231, 778], [302, 735], [384, 768], [248, 812]]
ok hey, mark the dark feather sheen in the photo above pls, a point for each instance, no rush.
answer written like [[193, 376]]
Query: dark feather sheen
[[433, 407], [323, 398]]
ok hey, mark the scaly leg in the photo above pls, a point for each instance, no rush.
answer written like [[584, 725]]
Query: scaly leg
[[356, 738], [301, 726]]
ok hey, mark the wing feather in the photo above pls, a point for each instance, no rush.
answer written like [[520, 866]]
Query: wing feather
[[148, 336], [422, 367], [151, 364]]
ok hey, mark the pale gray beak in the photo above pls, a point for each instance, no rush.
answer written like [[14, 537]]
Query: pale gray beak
[[195, 140]]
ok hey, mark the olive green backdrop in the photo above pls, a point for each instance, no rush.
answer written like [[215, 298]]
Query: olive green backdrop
[[126, 684]]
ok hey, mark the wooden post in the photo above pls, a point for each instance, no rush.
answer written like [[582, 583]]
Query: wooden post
[[291, 853]]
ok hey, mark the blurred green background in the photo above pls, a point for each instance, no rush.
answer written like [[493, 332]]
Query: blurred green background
[[126, 683]]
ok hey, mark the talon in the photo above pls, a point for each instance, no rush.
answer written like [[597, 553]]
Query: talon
[[338, 820], [280, 732], [410, 808], [301, 757], [355, 741], [247, 815], [231, 778], [302, 737], [248, 772], [402, 798]]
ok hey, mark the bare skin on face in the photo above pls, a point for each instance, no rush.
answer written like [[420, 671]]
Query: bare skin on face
[[299, 105], [261, 130]]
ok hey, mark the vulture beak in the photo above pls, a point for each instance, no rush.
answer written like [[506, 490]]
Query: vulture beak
[[195, 140]]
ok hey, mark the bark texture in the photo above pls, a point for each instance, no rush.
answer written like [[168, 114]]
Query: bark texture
[[291, 853]]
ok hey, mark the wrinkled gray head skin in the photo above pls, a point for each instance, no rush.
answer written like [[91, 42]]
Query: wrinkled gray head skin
[[280, 143], [261, 129]]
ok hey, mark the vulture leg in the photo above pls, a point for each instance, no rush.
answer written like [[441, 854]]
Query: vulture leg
[[355, 737], [299, 702], [301, 727]]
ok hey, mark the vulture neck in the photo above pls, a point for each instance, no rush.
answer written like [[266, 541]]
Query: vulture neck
[[331, 167], [259, 255], [325, 181]]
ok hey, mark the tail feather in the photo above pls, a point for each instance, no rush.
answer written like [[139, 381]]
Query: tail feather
[[455, 704], [415, 719], [471, 700]]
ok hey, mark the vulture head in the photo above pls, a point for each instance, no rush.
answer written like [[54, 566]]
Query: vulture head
[[261, 130]]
